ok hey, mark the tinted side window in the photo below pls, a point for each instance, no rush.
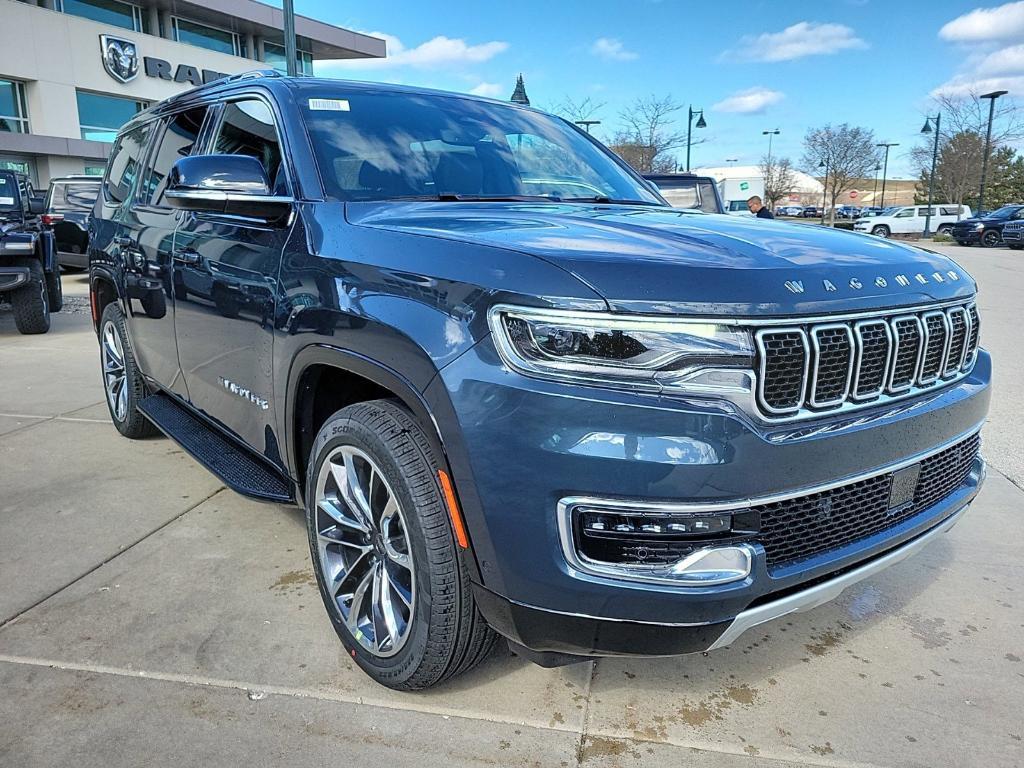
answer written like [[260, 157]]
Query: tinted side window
[[247, 128], [123, 167], [179, 137]]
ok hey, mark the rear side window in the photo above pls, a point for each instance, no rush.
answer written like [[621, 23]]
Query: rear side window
[[66, 197], [950, 210], [125, 161], [179, 137], [247, 128]]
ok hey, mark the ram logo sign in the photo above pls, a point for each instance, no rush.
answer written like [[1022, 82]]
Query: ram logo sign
[[120, 58]]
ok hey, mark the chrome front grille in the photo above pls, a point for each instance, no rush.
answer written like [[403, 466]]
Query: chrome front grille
[[806, 369]]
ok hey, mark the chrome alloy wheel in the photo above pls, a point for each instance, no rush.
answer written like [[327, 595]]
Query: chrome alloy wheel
[[365, 558], [114, 376]]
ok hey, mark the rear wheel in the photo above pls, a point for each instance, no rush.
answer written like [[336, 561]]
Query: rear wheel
[[55, 291], [384, 553], [990, 238], [122, 379], [31, 302], [881, 230]]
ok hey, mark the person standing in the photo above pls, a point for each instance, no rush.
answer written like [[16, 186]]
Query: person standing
[[757, 208]]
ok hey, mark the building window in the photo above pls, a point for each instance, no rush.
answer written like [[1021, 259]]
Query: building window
[[273, 54], [94, 170], [13, 114], [203, 36], [112, 12], [18, 166], [100, 116]]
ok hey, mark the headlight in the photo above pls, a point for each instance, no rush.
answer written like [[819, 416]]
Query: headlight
[[979, 227], [602, 348]]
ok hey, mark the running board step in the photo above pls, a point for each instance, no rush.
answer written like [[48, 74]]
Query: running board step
[[238, 468]]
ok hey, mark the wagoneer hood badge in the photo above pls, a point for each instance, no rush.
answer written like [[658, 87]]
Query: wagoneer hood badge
[[898, 280]]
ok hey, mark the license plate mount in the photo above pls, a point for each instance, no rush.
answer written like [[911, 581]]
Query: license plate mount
[[903, 488]]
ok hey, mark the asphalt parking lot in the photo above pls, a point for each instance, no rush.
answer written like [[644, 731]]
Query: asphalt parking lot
[[148, 616]]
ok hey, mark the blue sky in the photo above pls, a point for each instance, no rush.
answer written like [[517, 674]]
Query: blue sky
[[752, 66]]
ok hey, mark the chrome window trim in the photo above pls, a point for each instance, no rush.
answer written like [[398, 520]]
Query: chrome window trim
[[858, 336], [568, 504], [893, 322], [812, 395], [763, 361]]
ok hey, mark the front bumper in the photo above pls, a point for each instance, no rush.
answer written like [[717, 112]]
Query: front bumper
[[14, 277], [971, 235], [517, 446]]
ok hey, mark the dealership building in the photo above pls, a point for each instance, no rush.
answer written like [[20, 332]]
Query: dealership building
[[73, 71]]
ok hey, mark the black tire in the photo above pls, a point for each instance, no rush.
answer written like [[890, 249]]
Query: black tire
[[990, 238], [446, 633], [963, 243], [944, 229], [55, 291], [31, 302], [1016, 247], [880, 230], [131, 423]]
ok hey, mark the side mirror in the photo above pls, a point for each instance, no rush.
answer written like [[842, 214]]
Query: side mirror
[[231, 184], [36, 205]]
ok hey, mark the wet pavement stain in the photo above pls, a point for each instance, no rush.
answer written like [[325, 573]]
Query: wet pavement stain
[[596, 747], [1012, 657], [929, 631], [825, 642], [716, 704], [825, 749], [751, 750], [293, 581]]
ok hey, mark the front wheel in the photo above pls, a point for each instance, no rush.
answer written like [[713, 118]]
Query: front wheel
[[384, 553], [990, 238], [881, 230]]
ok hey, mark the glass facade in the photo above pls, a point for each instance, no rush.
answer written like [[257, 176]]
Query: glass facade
[[13, 113], [112, 12], [273, 55], [94, 170], [100, 116], [214, 39]]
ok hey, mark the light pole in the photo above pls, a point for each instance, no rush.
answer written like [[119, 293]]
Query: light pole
[[731, 160], [587, 123], [935, 156], [885, 166], [874, 194], [769, 134], [988, 142], [824, 190], [699, 114], [290, 54]]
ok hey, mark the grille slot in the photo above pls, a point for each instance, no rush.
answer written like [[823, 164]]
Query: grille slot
[[957, 340], [873, 347], [833, 364], [807, 369], [796, 529], [936, 334], [784, 358]]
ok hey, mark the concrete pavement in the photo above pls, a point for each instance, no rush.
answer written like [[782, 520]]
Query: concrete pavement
[[148, 616]]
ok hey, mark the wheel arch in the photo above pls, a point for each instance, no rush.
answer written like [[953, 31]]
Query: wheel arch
[[102, 291]]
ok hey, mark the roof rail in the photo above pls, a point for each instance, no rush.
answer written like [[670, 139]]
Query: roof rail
[[249, 74]]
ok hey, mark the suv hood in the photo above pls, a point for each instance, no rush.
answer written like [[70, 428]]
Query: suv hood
[[659, 260]]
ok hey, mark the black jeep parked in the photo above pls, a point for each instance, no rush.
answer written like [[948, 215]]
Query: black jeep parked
[[29, 275], [68, 209], [986, 229]]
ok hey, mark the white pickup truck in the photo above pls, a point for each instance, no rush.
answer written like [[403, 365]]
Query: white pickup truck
[[910, 219]]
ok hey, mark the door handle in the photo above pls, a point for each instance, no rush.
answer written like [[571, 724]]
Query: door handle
[[123, 241], [187, 256]]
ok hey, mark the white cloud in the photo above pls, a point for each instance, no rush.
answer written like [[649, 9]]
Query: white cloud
[[493, 90], [611, 49], [750, 101], [806, 38], [1002, 69], [436, 53], [1003, 22]]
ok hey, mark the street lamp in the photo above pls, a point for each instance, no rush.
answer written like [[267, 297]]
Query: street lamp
[[769, 134], [874, 194], [988, 142], [291, 55], [927, 128], [885, 166], [587, 123], [699, 114], [732, 160], [824, 190]]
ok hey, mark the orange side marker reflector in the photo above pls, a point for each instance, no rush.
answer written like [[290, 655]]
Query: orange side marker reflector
[[453, 509]]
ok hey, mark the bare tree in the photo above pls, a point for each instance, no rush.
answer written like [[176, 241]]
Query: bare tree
[[577, 111], [647, 136], [849, 155], [970, 115], [779, 179]]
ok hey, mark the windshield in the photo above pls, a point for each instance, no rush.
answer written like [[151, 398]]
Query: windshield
[[1005, 212], [388, 146], [8, 193], [73, 197]]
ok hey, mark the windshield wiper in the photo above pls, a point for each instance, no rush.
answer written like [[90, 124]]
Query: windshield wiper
[[451, 197], [605, 200]]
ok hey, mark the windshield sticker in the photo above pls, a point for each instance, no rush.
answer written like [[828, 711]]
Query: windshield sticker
[[329, 105], [6, 201]]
